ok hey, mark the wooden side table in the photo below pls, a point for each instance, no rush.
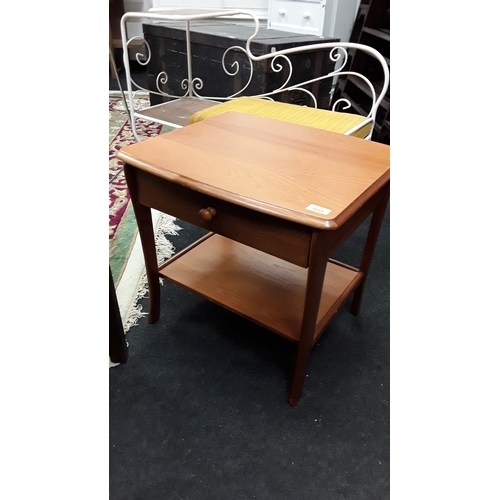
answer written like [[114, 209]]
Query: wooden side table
[[279, 199]]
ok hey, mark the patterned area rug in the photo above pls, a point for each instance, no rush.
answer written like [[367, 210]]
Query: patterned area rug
[[125, 253]]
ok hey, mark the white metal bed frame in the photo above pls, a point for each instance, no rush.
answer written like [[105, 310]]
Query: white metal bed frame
[[175, 113]]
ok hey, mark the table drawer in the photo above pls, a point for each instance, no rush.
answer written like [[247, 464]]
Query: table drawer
[[281, 238]]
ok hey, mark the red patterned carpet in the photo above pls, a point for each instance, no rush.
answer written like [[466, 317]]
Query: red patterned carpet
[[125, 252], [120, 134]]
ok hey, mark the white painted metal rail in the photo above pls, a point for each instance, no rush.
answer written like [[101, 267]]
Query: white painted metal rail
[[176, 111]]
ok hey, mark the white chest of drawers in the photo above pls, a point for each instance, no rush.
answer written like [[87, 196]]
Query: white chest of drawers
[[315, 17]]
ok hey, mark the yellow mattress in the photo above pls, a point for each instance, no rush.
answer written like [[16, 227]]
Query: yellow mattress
[[302, 115]]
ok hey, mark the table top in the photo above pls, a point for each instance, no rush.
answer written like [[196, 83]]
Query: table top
[[303, 174]]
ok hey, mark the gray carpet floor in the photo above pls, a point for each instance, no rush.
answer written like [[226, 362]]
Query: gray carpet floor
[[200, 409]]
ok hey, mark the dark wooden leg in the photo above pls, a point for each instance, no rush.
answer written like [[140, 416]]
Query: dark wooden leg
[[118, 352], [314, 287], [146, 232], [371, 241]]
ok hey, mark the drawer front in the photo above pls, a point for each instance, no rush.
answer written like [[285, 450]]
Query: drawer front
[[283, 239], [297, 16]]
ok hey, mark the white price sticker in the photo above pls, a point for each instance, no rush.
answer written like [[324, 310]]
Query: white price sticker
[[318, 209]]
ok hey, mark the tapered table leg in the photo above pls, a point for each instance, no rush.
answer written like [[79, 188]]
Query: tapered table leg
[[314, 287], [146, 232], [371, 241]]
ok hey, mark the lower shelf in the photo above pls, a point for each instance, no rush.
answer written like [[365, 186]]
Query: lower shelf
[[176, 113], [258, 286]]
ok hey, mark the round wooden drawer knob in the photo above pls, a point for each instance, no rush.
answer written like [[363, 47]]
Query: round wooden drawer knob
[[207, 214]]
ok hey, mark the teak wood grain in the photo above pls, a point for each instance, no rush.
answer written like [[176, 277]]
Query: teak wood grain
[[281, 238], [249, 180], [269, 166], [265, 289]]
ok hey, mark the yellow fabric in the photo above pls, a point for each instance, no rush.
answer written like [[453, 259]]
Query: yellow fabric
[[318, 118]]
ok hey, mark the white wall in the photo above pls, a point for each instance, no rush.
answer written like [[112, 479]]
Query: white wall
[[257, 7], [339, 22], [134, 28], [137, 5]]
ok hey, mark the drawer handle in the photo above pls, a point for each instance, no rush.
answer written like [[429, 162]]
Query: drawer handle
[[207, 214]]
